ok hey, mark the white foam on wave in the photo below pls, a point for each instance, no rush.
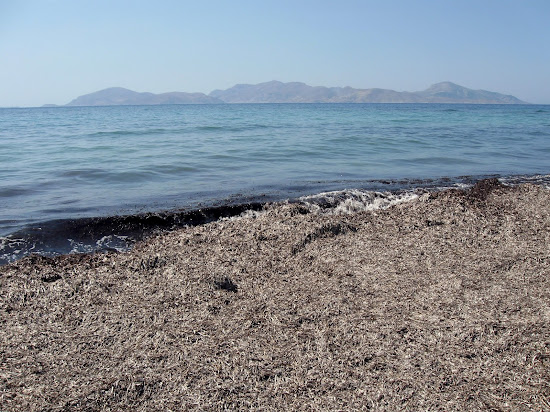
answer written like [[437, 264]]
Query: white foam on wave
[[541, 180], [355, 200], [247, 214], [462, 186], [12, 249], [342, 202], [79, 247], [119, 243]]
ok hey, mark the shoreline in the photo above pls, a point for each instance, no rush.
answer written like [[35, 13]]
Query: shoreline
[[119, 232], [436, 303]]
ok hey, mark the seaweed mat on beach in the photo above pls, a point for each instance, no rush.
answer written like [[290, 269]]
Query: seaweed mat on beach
[[441, 303]]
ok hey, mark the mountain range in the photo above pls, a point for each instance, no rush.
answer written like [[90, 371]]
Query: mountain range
[[296, 92]]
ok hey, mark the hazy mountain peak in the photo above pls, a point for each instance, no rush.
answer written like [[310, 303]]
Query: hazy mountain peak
[[116, 89], [444, 86]]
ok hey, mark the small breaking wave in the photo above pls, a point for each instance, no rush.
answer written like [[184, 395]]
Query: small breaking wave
[[354, 200], [541, 180]]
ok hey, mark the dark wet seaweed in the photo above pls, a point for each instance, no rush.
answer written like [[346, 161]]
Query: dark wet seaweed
[[85, 234]]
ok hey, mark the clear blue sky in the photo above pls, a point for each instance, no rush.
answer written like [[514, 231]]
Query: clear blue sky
[[54, 50]]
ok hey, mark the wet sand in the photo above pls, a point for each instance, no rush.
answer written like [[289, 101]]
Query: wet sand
[[440, 303]]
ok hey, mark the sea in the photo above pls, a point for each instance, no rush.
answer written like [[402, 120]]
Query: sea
[[85, 179]]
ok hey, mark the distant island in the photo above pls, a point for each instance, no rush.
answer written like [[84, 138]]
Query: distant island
[[295, 92]]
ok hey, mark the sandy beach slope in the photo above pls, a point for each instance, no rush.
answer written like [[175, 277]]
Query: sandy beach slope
[[440, 303]]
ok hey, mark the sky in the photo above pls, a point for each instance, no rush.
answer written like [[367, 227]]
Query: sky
[[52, 51]]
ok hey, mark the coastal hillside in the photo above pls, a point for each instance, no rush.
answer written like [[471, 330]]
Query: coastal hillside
[[296, 92], [120, 96], [278, 92], [447, 92]]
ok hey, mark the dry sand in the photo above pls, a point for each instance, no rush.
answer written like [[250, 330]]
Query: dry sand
[[442, 303]]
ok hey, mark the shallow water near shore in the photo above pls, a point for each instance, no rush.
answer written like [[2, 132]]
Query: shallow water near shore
[[70, 173]]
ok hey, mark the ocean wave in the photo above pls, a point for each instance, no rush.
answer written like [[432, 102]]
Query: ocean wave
[[132, 132], [13, 191], [354, 200], [240, 128], [541, 180]]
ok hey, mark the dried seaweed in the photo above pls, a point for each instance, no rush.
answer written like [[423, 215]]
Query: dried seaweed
[[437, 304]]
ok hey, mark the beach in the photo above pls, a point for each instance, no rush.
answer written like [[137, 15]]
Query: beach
[[437, 303]]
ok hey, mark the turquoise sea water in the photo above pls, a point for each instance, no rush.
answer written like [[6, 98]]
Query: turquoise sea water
[[73, 162]]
